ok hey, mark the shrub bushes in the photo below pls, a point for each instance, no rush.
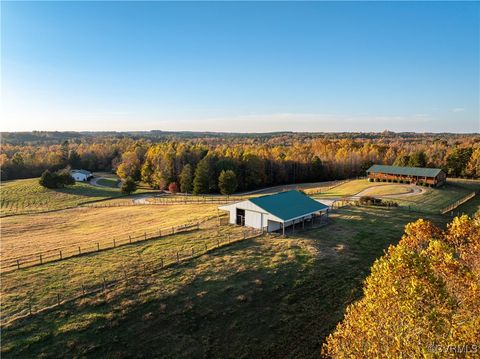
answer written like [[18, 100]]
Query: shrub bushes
[[58, 179], [372, 201]]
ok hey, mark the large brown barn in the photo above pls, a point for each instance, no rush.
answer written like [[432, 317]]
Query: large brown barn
[[415, 175]]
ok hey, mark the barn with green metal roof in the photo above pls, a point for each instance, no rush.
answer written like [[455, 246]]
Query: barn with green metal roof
[[277, 211], [415, 175]]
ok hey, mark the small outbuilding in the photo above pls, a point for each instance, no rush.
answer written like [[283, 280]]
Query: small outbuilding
[[414, 175], [81, 175], [276, 212]]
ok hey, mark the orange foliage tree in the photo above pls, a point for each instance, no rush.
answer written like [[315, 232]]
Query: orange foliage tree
[[422, 298]]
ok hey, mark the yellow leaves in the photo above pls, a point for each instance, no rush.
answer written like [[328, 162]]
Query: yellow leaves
[[423, 291]]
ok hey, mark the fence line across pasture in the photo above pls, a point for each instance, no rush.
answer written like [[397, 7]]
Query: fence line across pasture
[[166, 200], [62, 253], [143, 271], [458, 203]]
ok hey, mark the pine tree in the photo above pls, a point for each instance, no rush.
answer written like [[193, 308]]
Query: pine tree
[[227, 182], [201, 180], [186, 178]]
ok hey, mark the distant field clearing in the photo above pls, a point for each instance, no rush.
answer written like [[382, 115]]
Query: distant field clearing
[[25, 235]]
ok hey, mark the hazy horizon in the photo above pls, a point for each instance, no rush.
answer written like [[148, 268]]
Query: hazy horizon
[[241, 67]]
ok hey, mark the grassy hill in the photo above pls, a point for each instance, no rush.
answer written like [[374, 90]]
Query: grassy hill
[[23, 236], [27, 196], [267, 297]]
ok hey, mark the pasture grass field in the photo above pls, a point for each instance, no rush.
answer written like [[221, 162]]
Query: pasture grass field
[[66, 277], [471, 207], [388, 190], [27, 196], [266, 297], [108, 182], [85, 226], [435, 199]]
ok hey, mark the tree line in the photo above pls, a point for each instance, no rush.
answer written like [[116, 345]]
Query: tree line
[[212, 164]]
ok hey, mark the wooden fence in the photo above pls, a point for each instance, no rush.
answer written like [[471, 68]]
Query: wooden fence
[[62, 253], [455, 204], [170, 200], [140, 273]]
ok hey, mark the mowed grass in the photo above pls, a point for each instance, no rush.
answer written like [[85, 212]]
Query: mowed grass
[[85, 226], [388, 190], [435, 199], [262, 298], [350, 188], [43, 283], [108, 182], [27, 196]]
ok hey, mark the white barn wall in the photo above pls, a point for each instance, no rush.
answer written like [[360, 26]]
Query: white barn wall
[[253, 219]]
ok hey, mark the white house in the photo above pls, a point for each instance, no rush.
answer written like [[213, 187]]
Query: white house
[[276, 211], [81, 175]]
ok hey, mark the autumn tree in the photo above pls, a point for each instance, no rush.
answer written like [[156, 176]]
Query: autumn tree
[[473, 166], [173, 187], [423, 294], [130, 166], [227, 182], [457, 160]]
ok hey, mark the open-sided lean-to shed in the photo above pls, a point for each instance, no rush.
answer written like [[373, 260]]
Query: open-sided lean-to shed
[[275, 212], [415, 175]]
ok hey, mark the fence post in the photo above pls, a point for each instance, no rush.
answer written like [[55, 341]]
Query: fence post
[[104, 284], [145, 234], [130, 239], [206, 249], [173, 230], [218, 243], [79, 250], [178, 258], [83, 289], [114, 244], [60, 254], [98, 247], [41, 261], [161, 262]]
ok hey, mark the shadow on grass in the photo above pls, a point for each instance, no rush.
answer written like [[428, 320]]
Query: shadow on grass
[[266, 298]]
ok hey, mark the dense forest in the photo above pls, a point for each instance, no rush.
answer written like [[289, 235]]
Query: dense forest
[[194, 161]]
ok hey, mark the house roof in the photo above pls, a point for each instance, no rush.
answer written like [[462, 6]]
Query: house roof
[[85, 172], [406, 171], [288, 205]]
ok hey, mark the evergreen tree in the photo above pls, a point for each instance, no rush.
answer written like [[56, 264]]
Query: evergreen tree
[[201, 180], [186, 179], [227, 182], [129, 186], [418, 159], [47, 180], [74, 159]]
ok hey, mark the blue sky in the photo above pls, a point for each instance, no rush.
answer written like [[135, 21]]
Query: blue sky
[[240, 66]]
